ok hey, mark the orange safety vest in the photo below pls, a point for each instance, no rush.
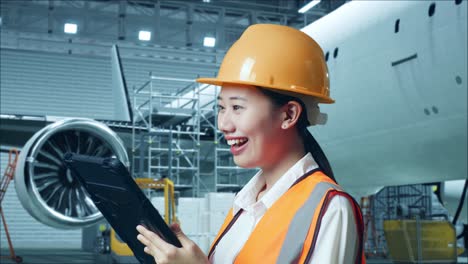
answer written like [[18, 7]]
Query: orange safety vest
[[287, 232]]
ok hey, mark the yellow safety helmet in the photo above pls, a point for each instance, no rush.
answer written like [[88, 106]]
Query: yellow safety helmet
[[277, 57]]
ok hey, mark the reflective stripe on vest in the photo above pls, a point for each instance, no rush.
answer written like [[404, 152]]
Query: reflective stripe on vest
[[296, 235], [288, 231]]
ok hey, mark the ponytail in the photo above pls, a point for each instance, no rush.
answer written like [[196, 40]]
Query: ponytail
[[310, 144]]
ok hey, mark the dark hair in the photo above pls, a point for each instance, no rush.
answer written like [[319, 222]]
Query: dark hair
[[310, 144]]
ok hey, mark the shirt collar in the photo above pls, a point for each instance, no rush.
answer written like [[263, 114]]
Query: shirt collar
[[248, 195]]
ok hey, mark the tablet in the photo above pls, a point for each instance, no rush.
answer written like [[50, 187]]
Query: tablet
[[118, 197]]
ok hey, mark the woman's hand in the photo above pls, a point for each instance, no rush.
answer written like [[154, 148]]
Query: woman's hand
[[164, 252]]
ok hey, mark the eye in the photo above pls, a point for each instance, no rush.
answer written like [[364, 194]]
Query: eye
[[220, 108], [236, 107]]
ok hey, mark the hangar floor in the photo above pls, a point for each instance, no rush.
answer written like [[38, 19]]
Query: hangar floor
[[49, 256], [68, 256]]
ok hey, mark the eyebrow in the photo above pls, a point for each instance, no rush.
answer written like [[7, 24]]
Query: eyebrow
[[234, 98]]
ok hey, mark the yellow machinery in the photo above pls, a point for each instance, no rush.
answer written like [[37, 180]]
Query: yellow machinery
[[436, 244], [119, 249]]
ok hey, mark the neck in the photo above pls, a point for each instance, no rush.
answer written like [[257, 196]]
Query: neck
[[272, 174]]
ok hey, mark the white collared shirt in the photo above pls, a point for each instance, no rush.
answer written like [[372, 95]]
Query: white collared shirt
[[337, 237]]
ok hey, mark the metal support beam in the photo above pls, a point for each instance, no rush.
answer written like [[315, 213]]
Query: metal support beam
[[189, 26], [157, 22], [220, 32], [121, 20], [86, 21], [50, 18], [253, 18]]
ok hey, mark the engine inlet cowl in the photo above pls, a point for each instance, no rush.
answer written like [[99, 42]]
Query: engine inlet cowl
[[46, 188]]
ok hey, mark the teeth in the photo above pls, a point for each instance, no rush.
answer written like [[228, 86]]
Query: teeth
[[236, 141]]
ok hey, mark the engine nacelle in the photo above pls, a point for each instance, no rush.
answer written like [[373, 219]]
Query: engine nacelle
[[44, 185]]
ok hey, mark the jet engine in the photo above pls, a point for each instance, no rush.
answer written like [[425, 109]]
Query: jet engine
[[44, 185]]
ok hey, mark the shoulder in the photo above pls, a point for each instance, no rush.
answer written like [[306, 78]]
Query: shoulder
[[341, 202], [338, 235], [339, 219], [339, 206]]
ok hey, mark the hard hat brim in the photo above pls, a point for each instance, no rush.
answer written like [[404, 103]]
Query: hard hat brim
[[219, 82]]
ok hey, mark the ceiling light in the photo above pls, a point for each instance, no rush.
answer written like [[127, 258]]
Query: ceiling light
[[308, 6], [144, 35], [209, 42], [70, 28]]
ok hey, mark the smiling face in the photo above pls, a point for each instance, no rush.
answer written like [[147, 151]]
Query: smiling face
[[251, 125]]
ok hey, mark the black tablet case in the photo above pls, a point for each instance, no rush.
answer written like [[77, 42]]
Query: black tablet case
[[120, 200]]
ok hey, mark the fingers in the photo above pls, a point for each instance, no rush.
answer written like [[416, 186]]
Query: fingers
[[149, 248], [175, 227], [154, 244], [164, 252], [145, 241]]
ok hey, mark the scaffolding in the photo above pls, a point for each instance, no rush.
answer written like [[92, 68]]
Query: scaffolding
[[386, 205], [166, 132]]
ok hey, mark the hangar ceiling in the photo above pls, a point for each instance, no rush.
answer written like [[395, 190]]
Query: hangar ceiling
[[172, 23]]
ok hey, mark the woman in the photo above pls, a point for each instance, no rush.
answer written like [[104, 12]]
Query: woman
[[292, 210]]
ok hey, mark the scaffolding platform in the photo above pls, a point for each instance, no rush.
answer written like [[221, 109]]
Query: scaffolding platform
[[166, 117], [167, 141]]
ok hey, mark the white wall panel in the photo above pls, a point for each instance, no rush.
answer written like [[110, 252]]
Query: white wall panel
[[43, 83], [38, 83]]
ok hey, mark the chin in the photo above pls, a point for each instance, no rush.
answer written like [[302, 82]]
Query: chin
[[244, 163]]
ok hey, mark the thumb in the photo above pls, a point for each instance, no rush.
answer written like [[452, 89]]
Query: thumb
[[175, 227]]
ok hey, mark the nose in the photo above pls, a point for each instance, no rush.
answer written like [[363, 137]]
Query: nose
[[225, 123]]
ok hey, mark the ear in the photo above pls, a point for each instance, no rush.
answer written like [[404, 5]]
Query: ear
[[290, 114]]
